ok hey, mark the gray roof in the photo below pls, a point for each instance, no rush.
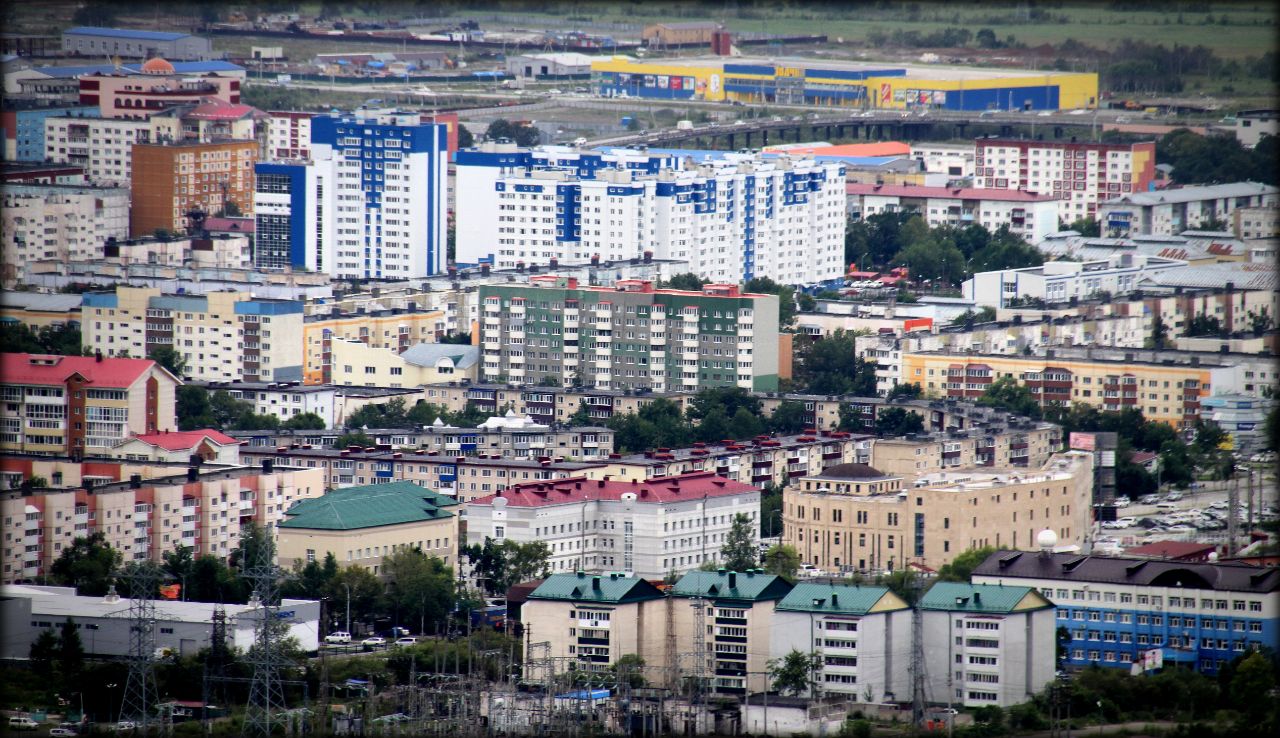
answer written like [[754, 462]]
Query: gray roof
[[1223, 577], [62, 602], [1242, 275], [1190, 194], [852, 471], [39, 301], [427, 354]]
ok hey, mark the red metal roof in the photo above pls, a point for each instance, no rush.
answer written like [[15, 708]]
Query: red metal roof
[[1173, 550], [229, 225], [692, 486], [179, 440], [215, 109], [47, 369], [948, 193]]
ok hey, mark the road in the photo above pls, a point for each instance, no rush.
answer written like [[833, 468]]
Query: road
[[1135, 728]]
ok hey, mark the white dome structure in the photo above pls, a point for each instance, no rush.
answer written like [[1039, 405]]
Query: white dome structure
[[1046, 539]]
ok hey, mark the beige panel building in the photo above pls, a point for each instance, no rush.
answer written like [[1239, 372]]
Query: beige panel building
[[368, 323], [355, 363], [361, 525], [855, 518]]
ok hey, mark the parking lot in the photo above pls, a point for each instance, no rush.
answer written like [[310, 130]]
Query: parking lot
[[1199, 514]]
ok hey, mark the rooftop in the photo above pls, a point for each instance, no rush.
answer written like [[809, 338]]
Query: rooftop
[[581, 587], [750, 585], [187, 67], [125, 33], [1193, 193], [47, 369], [841, 598], [371, 506], [658, 490], [982, 598], [52, 303], [1172, 549], [182, 440], [421, 456], [62, 602], [463, 356], [1225, 577], [853, 471], [944, 193]]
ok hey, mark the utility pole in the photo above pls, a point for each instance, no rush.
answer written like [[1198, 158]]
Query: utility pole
[[918, 684], [266, 691], [1233, 494], [140, 685]]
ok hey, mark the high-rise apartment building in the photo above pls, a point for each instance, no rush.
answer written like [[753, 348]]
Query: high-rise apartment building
[[732, 218], [171, 180], [222, 336], [370, 204], [630, 337], [104, 146], [1081, 175]]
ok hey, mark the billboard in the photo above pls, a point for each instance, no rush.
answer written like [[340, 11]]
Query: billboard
[[1147, 661], [1083, 442]]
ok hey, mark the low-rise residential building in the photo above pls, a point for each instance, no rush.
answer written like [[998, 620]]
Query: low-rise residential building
[[58, 222], [1165, 385], [1060, 281], [1176, 209], [1118, 610], [861, 634], [181, 628], [550, 405], [856, 518], [362, 525], [81, 404], [592, 620], [222, 336], [180, 447], [373, 324], [632, 336], [355, 363], [145, 518], [1030, 216], [190, 279], [739, 618], [648, 528], [987, 644], [1252, 223], [38, 310]]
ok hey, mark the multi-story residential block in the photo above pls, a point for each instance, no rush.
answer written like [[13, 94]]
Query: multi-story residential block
[[856, 518], [1027, 215], [287, 399], [38, 172], [1167, 386], [144, 519], [592, 620], [648, 528], [1061, 281], [1118, 609], [128, 43], [369, 204], [1173, 210], [1082, 175], [549, 405], [104, 146], [351, 311], [180, 447], [951, 159], [387, 329], [222, 336], [288, 135], [58, 222], [1251, 223], [37, 310], [157, 87], [172, 180], [631, 337], [353, 362], [987, 644], [740, 618], [463, 477], [224, 251], [362, 525], [732, 218], [862, 635], [23, 124], [60, 405], [510, 436]]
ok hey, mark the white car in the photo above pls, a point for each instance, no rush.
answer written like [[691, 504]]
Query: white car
[[1122, 502], [406, 641], [1044, 114], [809, 570], [1126, 522], [338, 636], [62, 732], [1078, 111], [374, 641]]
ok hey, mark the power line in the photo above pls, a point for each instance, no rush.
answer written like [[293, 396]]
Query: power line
[[140, 685]]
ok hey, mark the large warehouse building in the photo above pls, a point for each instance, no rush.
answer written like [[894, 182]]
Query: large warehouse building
[[852, 84]]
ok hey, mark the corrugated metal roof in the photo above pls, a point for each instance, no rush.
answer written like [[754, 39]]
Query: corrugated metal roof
[[427, 354], [125, 33], [582, 587], [839, 598], [1199, 192], [729, 585], [1222, 576], [983, 598], [39, 301], [371, 506]]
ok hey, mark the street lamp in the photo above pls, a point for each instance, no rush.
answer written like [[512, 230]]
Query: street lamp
[[348, 588]]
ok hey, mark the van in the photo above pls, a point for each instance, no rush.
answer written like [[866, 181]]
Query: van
[[22, 723], [684, 125]]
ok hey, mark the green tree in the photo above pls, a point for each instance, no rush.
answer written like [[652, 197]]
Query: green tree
[[1159, 333], [960, 569], [245, 556], [211, 580], [629, 670], [499, 565], [365, 590], [902, 582], [420, 588], [794, 673], [230, 209], [1271, 429], [70, 652], [166, 357], [1252, 690], [195, 412], [521, 134], [739, 550], [896, 421], [1005, 393], [1260, 322], [95, 13], [178, 564], [461, 339], [304, 421], [967, 319], [1085, 227], [227, 410], [686, 281], [850, 418], [786, 297], [357, 438], [257, 421], [909, 390], [1205, 325], [830, 366], [88, 564], [770, 511], [61, 338], [44, 654], [465, 138], [580, 417], [783, 561], [788, 417]]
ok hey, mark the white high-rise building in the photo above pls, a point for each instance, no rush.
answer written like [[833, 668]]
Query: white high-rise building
[[370, 204], [732, 218]]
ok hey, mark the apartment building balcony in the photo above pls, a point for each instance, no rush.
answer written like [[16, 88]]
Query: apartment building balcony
[[689, 341], [80, 518], [515, 372], [602, 363], [514, 360], [31, 555], [516, 310], [658, 353], [747, 331], [245, 505]]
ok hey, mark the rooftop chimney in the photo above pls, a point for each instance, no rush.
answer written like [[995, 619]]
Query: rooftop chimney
[[193, 474], [135, 481], [267, 465], [733, 580]]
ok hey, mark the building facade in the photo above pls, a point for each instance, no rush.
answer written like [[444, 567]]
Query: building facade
[[375, 190], [172, 180], [222, 336], [104, 146], [648, 528], [1031, 217], [60, 222], [631, 337], [158, 88], [288, 135], [179, 447], [733, 219], [23, 124], [355, 363], [1171, 211], [1118, 609], [59, 405], [128, 43], [1081, 175], [855, 518], [1062, 281]]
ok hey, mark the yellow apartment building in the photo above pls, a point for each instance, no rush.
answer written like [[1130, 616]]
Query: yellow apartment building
[[397, 330]]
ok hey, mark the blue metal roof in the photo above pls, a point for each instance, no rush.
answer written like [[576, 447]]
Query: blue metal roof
[[125, 33], [178, 68]]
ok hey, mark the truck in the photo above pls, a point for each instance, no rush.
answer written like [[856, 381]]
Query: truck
[[684, 125], [492, 617]]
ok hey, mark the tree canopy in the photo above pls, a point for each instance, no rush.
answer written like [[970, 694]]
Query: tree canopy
[[520, 133], [88, 564], [739, 553], [1216, 158], [62, 338], [830, 365]]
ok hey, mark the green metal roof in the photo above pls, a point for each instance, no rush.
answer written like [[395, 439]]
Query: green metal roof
[[841, 598], [989, 598], [352, 508], [727, 585], [581, 587]]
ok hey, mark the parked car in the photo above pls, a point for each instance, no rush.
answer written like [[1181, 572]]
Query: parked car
[[1173, 497], [338, 636], [1122, 502], [406, 641], [62, 732], [1126, 522], [374, 642], [22, 723], [809, 570]]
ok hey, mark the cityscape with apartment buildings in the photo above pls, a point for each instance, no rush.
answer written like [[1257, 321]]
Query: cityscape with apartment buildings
[[668, 369]]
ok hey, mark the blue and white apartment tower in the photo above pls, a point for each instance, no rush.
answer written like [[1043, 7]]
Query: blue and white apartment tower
[[371, 203], [731, 216]]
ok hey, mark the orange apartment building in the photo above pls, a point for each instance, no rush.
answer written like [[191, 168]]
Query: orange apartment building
[[172, 179]]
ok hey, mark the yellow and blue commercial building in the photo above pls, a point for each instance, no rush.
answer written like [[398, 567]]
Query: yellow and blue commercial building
[[881, 86]]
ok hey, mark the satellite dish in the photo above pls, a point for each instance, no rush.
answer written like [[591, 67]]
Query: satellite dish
[[499, 502], [1046, 539]]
